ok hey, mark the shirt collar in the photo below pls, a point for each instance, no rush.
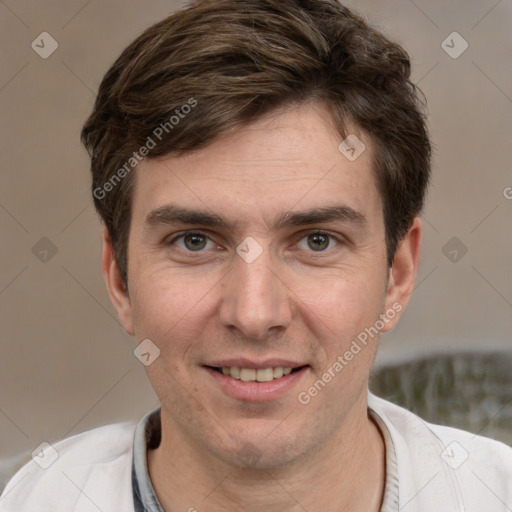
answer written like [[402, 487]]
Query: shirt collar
[[147, 436]]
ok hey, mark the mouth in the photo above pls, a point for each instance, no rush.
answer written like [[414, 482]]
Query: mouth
[[256, 374], [246, 381]]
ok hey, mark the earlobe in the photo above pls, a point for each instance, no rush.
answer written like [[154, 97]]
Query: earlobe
[[402, 274], [115, 286]]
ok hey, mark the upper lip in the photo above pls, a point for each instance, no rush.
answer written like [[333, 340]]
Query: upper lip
[[242, 362]]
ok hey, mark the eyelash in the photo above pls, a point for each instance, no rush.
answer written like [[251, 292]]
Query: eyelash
[[337, 239]]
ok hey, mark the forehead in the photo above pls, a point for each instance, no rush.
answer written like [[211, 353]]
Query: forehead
[[288, 160]]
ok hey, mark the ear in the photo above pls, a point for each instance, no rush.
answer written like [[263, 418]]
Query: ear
[[118, 294], [402, 274]]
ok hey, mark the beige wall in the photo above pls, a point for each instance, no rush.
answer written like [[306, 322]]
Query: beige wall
[[66, 365]]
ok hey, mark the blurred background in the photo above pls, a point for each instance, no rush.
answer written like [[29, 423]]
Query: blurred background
[[67, 366]]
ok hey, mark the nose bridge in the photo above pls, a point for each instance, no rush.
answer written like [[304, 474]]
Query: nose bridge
[[255, 300]]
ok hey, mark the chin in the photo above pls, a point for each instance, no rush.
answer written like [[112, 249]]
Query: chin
[[260, 452], [251, 456]]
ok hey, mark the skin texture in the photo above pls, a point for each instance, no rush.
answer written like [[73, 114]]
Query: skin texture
[[292, 302]]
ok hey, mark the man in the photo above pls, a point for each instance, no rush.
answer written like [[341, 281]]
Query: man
[[260, 166]]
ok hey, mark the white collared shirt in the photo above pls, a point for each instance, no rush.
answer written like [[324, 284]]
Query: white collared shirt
[[429, 468]]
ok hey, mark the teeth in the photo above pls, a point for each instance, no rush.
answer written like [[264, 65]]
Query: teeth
[[278, 372], [247, 374], [265, 375], [253, 375]]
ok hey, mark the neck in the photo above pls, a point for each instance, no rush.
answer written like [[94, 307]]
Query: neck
[[346, 473]]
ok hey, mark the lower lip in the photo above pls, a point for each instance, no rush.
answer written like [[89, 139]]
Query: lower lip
[[257, 391]]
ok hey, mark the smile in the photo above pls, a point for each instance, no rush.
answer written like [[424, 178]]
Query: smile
[[256, 384], [255, 375]]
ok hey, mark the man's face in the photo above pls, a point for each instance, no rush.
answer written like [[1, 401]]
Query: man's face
[[283, 282]]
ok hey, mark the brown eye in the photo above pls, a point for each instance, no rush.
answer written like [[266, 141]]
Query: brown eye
[[195, 241], [318, 242]]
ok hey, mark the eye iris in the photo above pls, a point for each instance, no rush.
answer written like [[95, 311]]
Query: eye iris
[[318, 242], [195, 242]]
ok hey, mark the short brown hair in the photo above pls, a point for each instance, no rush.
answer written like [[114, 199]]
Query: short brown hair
[[235, 60]]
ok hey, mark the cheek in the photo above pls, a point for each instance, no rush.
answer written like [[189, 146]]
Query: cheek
[[169, 311], [172, 315], [341, 304]]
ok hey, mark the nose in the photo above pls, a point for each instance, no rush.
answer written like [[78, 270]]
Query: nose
[[255, 299]]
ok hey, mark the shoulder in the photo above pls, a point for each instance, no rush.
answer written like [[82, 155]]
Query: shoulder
[[447, 464], [77, 473]]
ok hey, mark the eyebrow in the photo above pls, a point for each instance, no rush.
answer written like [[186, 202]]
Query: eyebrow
[[322, 214], [174, 214]]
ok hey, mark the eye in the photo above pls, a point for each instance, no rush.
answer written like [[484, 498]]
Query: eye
[[192, 242], [318, 242]]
